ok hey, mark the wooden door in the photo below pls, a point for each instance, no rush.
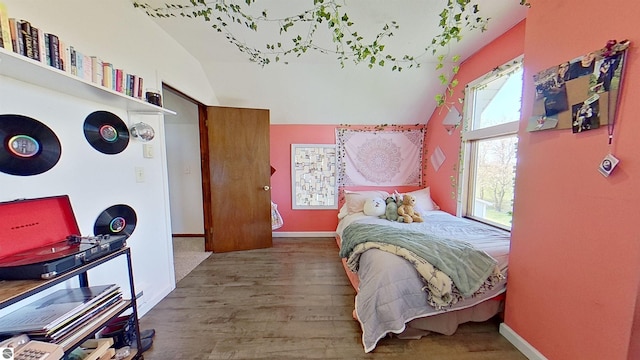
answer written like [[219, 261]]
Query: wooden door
[[240, 172]]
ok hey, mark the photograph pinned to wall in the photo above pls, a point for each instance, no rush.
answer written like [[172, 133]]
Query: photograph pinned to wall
[[565, 91], [586, 115], [542, 122], [582, 66], [551, 89], [313, 176], [608, 75]]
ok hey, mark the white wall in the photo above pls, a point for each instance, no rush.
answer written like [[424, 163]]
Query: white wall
[[183, 165], [94, 181]]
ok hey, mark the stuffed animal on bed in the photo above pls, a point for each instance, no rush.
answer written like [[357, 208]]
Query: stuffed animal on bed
[[407, 210], [391, 209], [374, 207]]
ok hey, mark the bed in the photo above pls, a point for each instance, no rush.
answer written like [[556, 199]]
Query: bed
[[412, 279]]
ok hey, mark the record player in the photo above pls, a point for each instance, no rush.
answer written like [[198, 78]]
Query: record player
[[39, 239]]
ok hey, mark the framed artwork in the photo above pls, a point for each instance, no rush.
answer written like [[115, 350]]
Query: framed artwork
[[313, 176]]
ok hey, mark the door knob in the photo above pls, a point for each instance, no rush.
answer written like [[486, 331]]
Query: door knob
[[266, 188]]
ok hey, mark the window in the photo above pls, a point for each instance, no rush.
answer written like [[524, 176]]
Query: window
[[489, 145]]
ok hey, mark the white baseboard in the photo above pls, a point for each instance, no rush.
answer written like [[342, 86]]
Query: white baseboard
[[521, 344], [304, 234]]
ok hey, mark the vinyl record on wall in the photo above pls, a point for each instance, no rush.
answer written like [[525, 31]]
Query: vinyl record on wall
[[29, 147], [106, 132], [116, 220]]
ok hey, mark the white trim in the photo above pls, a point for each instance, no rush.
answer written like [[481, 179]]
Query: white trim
[[493, 131], [304, 234], [495, 73], [521, 344]]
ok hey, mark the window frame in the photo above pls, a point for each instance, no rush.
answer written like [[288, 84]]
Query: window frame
[[470, 138]]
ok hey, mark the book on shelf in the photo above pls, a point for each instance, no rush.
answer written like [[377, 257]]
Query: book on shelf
[[4, 28], [78, 58], [15, 36], [21, 37], [129, 81], [27, 40], [87, 67], [42, 47], [107, 75], [46, 49], [54, 51], [140, 87], [73, 61], [35, 42], [65, 55], [136, 86], [96, 70], [119, 80], [53, 309]]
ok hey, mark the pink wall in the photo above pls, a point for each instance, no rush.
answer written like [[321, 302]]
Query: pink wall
[[504, 49], [282, 136], [574, 266], [574, 269]]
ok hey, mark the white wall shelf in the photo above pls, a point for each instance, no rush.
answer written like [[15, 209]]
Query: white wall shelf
[[34, 72]]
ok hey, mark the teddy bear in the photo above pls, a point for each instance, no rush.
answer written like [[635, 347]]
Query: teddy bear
[[407, 212], [391, 209]]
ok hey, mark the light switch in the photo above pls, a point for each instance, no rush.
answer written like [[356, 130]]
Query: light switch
[[147, 151], [139, 174]]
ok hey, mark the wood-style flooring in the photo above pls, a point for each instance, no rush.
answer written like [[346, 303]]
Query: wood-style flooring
[[291, 301]]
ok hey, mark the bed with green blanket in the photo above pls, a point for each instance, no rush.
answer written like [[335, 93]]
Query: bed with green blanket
[[421, 277]]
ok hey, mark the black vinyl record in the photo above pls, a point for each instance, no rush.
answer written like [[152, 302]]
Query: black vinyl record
[[106, 132], [116, 220], [29, 147]]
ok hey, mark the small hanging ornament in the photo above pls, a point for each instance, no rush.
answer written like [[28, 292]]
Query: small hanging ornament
[[607, 165]]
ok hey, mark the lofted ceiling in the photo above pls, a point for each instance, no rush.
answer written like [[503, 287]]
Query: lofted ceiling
[[315, 88]]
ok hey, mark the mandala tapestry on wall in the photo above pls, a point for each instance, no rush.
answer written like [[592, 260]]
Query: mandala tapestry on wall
[[379, 158]]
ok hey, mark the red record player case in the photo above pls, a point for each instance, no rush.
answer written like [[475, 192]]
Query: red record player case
[[32, 223]]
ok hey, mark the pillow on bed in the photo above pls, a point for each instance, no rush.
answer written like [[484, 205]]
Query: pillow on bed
[[354, 200], [423, 200], [343, 211]]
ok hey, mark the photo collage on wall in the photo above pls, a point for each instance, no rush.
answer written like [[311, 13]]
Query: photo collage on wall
[[580, 94]]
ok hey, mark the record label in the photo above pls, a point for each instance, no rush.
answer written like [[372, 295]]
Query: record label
[[117, 224], [118, 219], [29, 147], [24, 146], [109, 133], [106, 132]]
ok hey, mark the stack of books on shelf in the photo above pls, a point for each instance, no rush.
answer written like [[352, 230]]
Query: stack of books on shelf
[[57, 316], [22, 37]]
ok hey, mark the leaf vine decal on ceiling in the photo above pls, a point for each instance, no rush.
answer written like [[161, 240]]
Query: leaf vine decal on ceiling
[[349, 45]]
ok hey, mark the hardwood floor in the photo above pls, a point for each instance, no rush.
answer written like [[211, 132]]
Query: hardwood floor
[[291, 301]]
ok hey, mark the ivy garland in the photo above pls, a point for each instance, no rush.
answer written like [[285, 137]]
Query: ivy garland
[[349, 44]]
